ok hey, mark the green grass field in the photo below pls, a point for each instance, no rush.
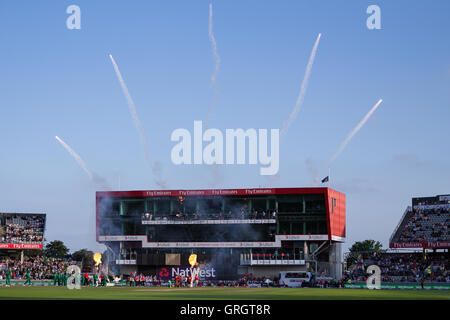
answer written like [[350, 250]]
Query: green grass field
[[145, 293]]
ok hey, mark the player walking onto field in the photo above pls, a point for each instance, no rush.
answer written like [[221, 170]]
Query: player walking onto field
[[103, 280], [8, 278], [28, 281], [95, 279], [55, 279]]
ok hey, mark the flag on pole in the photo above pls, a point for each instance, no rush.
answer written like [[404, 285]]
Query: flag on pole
[[326, 179]]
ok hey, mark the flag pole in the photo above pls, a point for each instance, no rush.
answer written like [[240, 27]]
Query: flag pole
[[329, 177]]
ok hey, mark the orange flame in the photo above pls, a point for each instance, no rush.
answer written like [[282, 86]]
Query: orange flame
[[193, 260], [97, 259]]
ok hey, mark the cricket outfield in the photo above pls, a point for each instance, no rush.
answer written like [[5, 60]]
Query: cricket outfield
[[227, 293]]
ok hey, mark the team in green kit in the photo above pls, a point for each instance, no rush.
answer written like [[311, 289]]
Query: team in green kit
[[28, 281], [61, 279], [8, 277]]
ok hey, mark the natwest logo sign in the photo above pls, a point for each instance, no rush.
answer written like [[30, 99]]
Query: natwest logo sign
[[205, 273]]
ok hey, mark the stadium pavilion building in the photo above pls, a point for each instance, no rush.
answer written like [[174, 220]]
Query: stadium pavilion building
[[232, 231]]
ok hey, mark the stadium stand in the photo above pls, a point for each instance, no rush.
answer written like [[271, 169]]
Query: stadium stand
[[427, 221], [402, 267], [41, 268], [22, 228]]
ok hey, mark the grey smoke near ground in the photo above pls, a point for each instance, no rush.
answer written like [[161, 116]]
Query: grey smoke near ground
[[217, 176]]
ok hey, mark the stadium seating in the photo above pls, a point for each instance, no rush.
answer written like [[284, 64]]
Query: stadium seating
[[402, 267], [426, 223], [22, 229]]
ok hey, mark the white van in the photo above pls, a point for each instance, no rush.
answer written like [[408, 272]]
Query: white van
[[295, 279]]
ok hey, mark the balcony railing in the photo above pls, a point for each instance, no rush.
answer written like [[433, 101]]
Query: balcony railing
[[271, 259]]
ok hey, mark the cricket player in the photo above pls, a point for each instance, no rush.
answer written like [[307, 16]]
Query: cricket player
[[28, 281], [103, 280], [8, 278], [55, 279], [95, 280]]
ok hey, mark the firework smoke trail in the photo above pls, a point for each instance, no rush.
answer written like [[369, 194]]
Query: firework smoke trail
[[217, 177], [298, 104], [97, 179], [155, 168], [216, 68], [354, 131]]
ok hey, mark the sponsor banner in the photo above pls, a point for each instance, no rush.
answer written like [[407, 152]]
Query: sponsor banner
[[146, 244], [255, 244], [125, 261], [210, 245], [302, 237], [274, 262], [432, 206], [17, 282], [438, 244], [206, 272], [254, 221], [122, 238], [20, 245], [211, 192], [401, 286]]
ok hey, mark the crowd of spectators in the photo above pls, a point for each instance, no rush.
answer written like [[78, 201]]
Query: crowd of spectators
[[427, 224], [273, 254], [242, 214], [19, 229], [40, 268], [410, 267]]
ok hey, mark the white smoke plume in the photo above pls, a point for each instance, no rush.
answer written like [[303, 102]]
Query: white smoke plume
[[216, 68], [353, 132], [291, 116], [94, 177], [298, 104], [156, 168]]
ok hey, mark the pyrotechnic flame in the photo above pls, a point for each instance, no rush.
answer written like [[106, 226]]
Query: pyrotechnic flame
[[193, 260], [97, 259]]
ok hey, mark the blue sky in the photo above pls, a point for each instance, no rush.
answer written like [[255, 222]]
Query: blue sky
[[57, 81]]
